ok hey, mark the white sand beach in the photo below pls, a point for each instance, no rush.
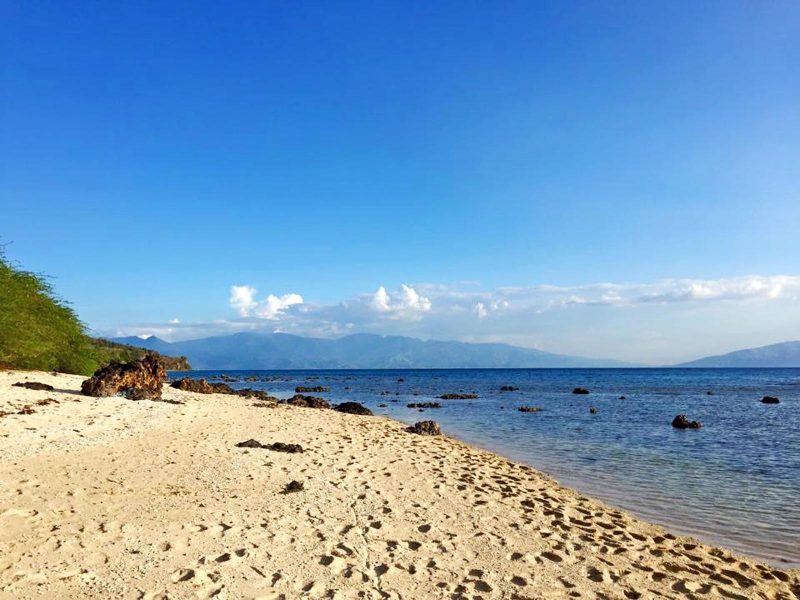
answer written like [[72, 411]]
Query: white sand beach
[[111, 498]]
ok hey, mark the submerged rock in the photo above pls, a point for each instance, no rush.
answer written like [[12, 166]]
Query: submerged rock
[[593, 410], [508, 388], [770, 400], [353, 408], [318, 389], [424, 405], [681, 422], [458, 396], [34, 385], [580, 390], [529, 409], [137, 380], [426, 428]]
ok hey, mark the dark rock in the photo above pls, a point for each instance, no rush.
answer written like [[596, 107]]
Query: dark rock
[[458, 396], [424, 405], [281, 447], [307, 401], [311, 390], [426, 428], [681, 422], [293, 486], [34, 385], [250, 444], [593, 410], [137, 380], [508, 388], [580, 390], [530, 409], [709, 393], [353, 408], [770, 400], [401, 380], [622, 397], [382, 405]]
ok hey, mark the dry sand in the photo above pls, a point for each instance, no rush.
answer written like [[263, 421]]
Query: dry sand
[[109, 498]]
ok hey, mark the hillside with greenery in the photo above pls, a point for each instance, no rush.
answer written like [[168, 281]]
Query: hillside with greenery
[[39, 330]]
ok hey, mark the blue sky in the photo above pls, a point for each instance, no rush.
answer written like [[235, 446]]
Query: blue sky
[[154, 157]]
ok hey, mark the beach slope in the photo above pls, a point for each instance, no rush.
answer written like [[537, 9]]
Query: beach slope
[[110, 498]]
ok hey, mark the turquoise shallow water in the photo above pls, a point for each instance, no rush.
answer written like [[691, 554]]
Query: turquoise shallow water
[[735, 482]]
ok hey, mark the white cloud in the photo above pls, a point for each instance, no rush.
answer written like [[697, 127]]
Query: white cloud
[[480, 310], [243, 300], [406, 303]]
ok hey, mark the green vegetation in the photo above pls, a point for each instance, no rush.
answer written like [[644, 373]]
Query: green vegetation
[[114, 352], [38, 330]]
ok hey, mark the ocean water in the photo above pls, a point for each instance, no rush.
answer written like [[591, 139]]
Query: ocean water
[[734, 483]]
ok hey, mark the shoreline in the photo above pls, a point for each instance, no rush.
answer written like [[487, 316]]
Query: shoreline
[[106, 497]]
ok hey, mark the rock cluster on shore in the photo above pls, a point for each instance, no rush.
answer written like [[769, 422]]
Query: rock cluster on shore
[[137, 380], [426, 428]]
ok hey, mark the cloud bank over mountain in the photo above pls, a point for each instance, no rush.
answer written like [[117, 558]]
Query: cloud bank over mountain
[[658, 322]]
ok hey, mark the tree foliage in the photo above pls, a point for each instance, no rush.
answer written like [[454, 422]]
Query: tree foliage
[[38, 330]]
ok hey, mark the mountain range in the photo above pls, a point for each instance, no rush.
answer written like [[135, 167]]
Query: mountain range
[[367, 351], [785, 354], [359, 351]]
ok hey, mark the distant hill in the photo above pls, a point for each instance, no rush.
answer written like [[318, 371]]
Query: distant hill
[[119, 352], [786, 354], [359, 351]]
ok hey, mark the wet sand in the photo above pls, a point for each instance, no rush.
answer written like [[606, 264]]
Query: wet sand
[[109, 498]]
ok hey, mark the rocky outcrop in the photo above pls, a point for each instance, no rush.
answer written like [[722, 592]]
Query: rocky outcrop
[[458, 396], [681, 422], [580, 390], [353, 408], [319, 389], [424, 405], [307, 401], [137, 380], [770, 400], [34, 385], [426, 428], [593, 410], [529, 409]]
